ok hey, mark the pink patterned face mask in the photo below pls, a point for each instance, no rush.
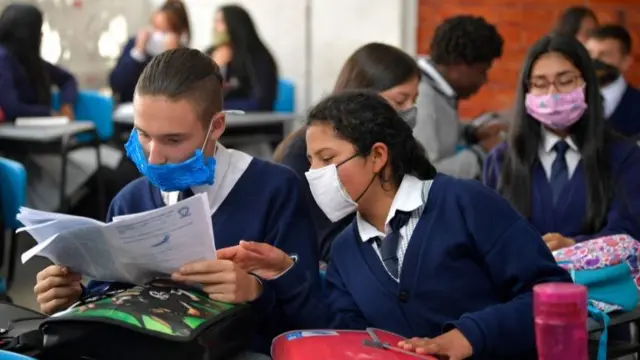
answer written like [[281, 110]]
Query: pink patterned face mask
[[557, 111]]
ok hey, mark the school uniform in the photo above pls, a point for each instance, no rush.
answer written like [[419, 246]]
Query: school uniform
[[124, 77], [465, 259], [256, 92], [438, 127], [251, 199], [294, 156], [622, 107], [566, 215], [18, 96]]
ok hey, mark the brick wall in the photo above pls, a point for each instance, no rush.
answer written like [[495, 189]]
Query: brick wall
[[521, 23]]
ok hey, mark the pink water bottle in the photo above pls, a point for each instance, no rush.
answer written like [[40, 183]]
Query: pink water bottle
[[560, 315]]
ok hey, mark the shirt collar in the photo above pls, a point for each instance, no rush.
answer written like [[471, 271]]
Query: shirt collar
[[427, 67], [406, 199], [549, 140], [613, 94]]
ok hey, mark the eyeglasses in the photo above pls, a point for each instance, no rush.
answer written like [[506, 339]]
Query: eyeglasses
[[563, 83]]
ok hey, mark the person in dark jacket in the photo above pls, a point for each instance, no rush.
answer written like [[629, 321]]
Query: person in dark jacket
[[25, 78], [169, 29], [249, 70], [610, 47]]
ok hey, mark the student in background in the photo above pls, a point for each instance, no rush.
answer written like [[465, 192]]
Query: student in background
[[382, 68], [573, 179], [461, 54], [610, 47], [174, 144], [578, 22], [169, 30], [25, 78], [248, 68], [444, 260]]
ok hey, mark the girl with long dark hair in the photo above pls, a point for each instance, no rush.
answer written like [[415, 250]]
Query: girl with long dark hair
[[578, 22], [562, 168], [445, 262], [25, 78], [249, 70], [382, 68]]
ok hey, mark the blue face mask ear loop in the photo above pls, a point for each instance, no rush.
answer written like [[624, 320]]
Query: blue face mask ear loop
[[206, 139]]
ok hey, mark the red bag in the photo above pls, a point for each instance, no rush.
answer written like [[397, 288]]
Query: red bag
[[371, 344]]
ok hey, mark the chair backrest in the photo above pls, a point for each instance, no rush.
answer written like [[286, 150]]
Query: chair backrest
[[286, 97], [13, 191], [92, 106], [6, 355]]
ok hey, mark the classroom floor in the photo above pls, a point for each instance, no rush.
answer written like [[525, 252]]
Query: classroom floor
[[21, 292]]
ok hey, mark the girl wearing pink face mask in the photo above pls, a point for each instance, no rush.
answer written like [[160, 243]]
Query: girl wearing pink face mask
[[562, 167], [169, 29]]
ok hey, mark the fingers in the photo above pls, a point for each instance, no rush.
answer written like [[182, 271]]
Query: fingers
[[54, 306], [51, 282], [257, 247], [54, 298], [421, 346], [205, 267], [228, 253], [53, 270], [553, 245]]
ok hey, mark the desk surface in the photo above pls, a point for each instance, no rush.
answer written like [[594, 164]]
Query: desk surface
[[43, 133], [233, 120]]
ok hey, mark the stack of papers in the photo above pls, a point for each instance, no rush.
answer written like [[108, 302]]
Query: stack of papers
[[42, 121], [132, 249]]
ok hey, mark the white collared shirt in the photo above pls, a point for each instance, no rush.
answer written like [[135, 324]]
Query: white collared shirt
[[409, 198], [230, 165], [612, 95], [427, 67], [547, 154]]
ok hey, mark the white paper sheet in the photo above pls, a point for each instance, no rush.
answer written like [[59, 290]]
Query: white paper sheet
[[133, 249]]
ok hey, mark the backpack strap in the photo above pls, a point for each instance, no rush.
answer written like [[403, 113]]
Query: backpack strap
[[603, 318]]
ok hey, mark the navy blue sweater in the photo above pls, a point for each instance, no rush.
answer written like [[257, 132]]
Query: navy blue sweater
[[626, 118], [19, 97], [124, 76], [567, 218], [266, 204], [471, 264]]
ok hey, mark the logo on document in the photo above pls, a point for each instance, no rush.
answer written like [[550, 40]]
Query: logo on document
[[184, 212]]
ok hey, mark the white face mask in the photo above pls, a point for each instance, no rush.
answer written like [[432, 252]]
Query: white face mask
[[156, 44], [329, 194]]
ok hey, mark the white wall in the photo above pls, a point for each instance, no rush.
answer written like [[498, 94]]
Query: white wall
[[310, 39]]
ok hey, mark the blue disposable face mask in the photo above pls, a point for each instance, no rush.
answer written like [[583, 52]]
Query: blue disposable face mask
[[195, 171]]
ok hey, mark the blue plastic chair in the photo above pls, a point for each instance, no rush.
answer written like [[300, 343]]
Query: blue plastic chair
[[286, 97], [13, 195], [6, 355], [91, 106]]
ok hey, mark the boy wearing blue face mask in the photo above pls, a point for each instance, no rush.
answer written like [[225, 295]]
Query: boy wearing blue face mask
[[178, 120]]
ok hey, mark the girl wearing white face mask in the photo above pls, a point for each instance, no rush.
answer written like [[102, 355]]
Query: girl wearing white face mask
[[445, 262], [382, 68], [169, 29]]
